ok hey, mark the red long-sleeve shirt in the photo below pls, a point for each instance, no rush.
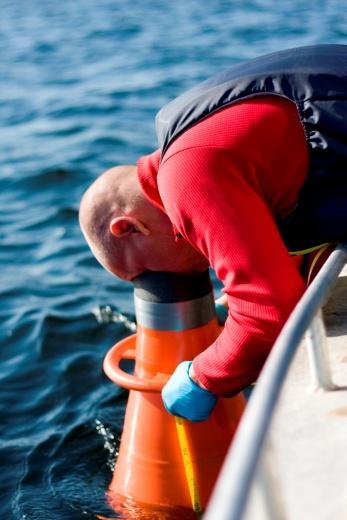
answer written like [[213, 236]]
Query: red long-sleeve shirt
[[223, 183]]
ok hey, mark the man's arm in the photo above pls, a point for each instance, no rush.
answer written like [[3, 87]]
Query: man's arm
[[227, 220]]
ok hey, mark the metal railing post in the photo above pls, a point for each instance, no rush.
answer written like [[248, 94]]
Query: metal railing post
[[318, 355]]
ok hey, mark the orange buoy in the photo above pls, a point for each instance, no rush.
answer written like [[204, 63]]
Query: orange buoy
[[176, 321]]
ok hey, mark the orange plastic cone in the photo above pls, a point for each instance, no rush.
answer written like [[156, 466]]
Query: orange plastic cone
[[150, 469]]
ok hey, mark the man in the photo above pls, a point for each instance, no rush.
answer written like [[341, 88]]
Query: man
[[252, 165]]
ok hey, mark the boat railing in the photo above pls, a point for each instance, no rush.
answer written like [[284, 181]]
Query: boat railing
[[249, 458]]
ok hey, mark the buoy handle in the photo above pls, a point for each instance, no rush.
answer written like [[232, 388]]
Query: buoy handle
[[125, 349]]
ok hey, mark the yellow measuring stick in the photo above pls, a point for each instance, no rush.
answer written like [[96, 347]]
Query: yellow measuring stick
[[188, 465]]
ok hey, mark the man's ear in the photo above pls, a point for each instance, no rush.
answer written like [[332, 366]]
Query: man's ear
[[125, 225]]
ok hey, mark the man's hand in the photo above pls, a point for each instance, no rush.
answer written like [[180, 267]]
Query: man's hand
[[185, 398]]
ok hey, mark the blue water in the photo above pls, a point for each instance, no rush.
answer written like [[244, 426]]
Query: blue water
[[80, 83]]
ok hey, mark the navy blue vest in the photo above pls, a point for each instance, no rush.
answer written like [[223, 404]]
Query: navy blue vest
[[315, 78]]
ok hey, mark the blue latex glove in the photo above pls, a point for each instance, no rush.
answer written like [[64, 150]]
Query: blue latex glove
[[221, 312], [182, 397]]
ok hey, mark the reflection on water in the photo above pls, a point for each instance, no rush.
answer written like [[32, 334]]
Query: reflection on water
[[110, 443], [105, 314], [128, 508]]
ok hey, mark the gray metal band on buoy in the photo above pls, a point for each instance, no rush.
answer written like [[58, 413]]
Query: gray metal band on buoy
[[173, 301], [175, 316]]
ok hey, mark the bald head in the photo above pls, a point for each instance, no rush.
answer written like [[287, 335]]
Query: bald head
[[114, 192], [126, 233]]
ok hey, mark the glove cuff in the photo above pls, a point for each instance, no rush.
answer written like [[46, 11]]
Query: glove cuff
[[221, 313], [204, 390]]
